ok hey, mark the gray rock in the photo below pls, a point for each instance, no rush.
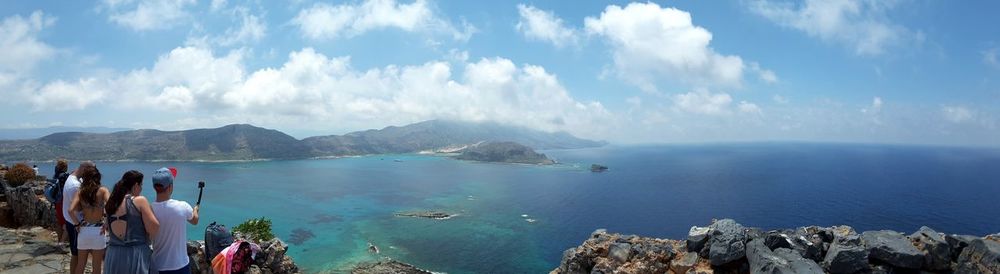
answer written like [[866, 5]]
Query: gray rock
[[620, 252], [684, 262], [727, 243], [782, 260], [809, 246], [846, 255], [697, 237], [842, 231], [981, 256], [822, 234], [598, 232], [386, 266], [938, 252], [892, 248], [575, 262], [958, 243], [775, 240]]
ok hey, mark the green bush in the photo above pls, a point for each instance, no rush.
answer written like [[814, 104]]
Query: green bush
[[18, 175], [256, 229]]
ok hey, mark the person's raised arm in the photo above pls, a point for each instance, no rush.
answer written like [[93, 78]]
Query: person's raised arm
[[194, 215], [148, 219]]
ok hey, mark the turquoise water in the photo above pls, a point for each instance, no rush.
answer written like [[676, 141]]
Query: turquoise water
[[650, 190]]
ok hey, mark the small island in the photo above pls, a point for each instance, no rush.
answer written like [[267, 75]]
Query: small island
[[504, 152], [437, 215]]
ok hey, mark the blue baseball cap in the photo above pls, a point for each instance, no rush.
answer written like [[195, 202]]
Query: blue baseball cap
[[164, 176]]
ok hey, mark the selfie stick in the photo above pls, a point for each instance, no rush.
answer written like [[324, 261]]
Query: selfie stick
[[201, 188]]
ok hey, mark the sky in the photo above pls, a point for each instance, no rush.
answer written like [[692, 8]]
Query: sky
[[683, 71]]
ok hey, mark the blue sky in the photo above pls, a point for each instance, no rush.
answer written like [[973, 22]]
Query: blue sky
[[923, 72]]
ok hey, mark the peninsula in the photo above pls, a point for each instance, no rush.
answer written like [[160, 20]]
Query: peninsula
[[504, 152]]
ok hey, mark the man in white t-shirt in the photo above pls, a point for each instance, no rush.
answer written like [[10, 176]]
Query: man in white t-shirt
[[170, 243], [70, 189]]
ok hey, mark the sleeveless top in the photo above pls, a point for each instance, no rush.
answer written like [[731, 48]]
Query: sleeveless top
[[135, 231], [99, 207]]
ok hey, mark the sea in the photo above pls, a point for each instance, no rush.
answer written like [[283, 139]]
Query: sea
[[515, 218]]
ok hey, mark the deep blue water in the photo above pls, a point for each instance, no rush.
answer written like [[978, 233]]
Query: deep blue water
[[656, 191]]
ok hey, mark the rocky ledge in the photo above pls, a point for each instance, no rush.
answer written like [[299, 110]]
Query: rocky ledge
[[387, 266], [31, 251], [728, 247]]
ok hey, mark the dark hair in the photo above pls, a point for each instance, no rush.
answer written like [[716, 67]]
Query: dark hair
[[61, 167], [90, 183], [129, 180]]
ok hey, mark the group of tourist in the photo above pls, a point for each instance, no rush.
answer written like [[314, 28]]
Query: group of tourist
[[119, 230]]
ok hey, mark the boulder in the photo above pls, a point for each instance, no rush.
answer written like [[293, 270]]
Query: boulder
[[776, 239], [957, 243], [575, 262], [727, 242], [892, 248], [697, 237], [824, 234], [782, 260], [684, 262], [981, 256], [808, 245], [620, 252], [938, 252], [846, 255], [842, 231]]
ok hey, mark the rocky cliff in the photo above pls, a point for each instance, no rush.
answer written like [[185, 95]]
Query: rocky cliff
[[728, 247], [24, 206]]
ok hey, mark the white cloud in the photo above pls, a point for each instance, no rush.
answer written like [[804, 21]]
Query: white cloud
[[540, 25], [323, 21], [251, 29], [875, 108], [650, 43], [63, 96], [780, 99], [703, 102], [765, 75], [311, 88], [218, 4], [20, 49], [144, 15], [990, 57], [957, 114], [860, 24], [749, 108]]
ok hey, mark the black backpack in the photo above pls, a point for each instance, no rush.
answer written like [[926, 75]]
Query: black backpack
[[217, 238]]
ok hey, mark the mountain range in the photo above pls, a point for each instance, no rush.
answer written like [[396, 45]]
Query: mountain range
[[32, 133], [247, 142]]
